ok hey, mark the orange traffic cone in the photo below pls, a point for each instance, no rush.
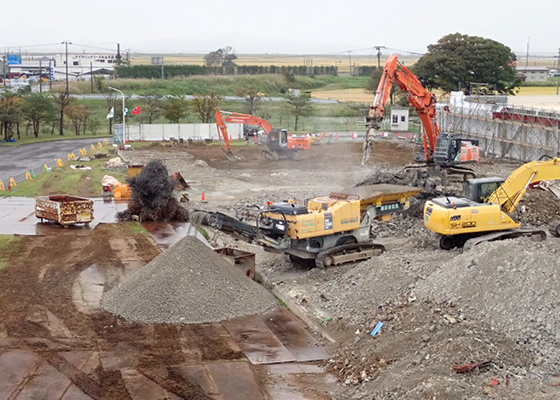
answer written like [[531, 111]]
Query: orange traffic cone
[[204, 197]]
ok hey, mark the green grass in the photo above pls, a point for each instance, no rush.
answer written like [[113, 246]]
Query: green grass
[[65, 180], [270, 84], [8, 246]]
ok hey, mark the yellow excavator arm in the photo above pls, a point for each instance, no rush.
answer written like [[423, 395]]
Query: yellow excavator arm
[[509, 194], [458, 220]]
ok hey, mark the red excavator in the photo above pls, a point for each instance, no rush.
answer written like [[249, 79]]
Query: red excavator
[[279, 142], [444, 150]]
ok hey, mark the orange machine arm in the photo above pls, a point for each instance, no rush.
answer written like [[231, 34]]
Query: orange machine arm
[[221, 120], [419, 97]]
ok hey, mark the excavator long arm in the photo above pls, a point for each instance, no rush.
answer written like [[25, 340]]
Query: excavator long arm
[[419, 97], [510, 193], [225, 116]]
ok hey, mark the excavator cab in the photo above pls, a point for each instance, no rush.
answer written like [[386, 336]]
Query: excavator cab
[[278, 139], [480, 189]]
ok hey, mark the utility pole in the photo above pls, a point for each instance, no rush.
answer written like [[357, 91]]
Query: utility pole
[[378, 48], [557, 72], [40, 77], [162, 73], [64, 101], [50, 75], [66, 44], [119, 57], [527, 55], [350, 63], [91, 75]]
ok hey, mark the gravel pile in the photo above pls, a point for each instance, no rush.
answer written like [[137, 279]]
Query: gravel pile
[[189, 283], [510, 284]]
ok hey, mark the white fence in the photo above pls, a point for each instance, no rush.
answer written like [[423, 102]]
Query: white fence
[[158, 132]]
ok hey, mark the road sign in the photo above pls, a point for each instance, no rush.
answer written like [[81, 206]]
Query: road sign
[[14, 59]]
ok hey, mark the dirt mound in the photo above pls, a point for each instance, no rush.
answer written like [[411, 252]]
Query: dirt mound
[[538, 207], [510, 284], [189, 283]]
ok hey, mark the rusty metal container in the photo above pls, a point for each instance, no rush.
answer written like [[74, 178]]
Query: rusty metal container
[[65, 210], [244, 260]]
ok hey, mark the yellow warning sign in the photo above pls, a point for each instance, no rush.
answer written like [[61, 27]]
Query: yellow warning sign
[[2, 186], [13, 182], [99, 145], [28, 176], [59, 162]]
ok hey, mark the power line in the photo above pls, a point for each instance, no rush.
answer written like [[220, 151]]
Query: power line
[[93, 47]]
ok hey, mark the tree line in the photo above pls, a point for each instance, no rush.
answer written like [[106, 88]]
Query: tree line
[[170, 71], [24, 111]]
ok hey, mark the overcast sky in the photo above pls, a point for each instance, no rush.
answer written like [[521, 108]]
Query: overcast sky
[[282, 26]]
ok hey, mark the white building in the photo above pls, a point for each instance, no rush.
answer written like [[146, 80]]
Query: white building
[[533, 74], [78, 64], [399, 119]]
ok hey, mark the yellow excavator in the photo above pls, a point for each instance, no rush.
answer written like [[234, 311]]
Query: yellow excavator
[[485, 214]]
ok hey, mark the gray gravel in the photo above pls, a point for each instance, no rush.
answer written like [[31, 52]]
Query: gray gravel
[[510, 284], [189, 283]]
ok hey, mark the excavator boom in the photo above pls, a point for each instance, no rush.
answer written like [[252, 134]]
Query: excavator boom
[[278, 140], [419, 97], [461, 221]]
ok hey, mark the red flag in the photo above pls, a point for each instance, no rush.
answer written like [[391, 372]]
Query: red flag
[[136, 110]]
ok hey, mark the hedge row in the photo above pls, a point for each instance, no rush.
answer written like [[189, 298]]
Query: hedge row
[[154, 71]]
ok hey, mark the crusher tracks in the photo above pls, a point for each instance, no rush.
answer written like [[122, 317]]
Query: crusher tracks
[[348, 253], [463, 173], [536, 234]]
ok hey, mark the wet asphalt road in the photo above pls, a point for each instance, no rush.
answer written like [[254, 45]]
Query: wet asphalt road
[[15, 161]]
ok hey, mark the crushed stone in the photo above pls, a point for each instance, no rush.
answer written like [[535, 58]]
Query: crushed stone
[[187, 284]]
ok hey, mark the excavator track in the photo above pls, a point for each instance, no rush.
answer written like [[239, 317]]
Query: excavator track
[[348, 253], [536, 234]]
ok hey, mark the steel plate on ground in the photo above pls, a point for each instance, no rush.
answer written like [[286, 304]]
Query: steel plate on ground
[[294, 337], [257, 341], [234, 381]]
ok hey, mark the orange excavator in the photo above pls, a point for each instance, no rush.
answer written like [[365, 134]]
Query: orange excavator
[[444, 150], [278, 141]]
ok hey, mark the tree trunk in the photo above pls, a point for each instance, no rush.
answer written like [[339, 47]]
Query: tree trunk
[[61, 132], [36, 125], [17, 129], [295, 127], [52, 127]]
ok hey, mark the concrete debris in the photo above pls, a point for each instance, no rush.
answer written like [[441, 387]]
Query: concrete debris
[[187, 284], [200, 163], [115, 162], [109, 180]]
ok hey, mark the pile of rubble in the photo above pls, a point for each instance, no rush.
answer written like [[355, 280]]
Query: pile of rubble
[[188, 284]]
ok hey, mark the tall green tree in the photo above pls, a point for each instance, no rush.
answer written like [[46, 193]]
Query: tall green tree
[[11, 111], [38, 109], [62, 100], [174, 109], [298, 106], [152, 107], [251, 96], [457, 60], [206, 105]]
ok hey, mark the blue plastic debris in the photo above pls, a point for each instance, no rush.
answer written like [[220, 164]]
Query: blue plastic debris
[[377, 328]]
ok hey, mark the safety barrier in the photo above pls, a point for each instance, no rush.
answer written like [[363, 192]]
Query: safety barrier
[[33, 172]]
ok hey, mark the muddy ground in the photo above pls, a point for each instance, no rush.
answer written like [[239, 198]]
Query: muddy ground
[[425, 334], [56, 342]]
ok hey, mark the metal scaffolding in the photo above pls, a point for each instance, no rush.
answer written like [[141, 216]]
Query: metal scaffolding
[[515, 133]]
